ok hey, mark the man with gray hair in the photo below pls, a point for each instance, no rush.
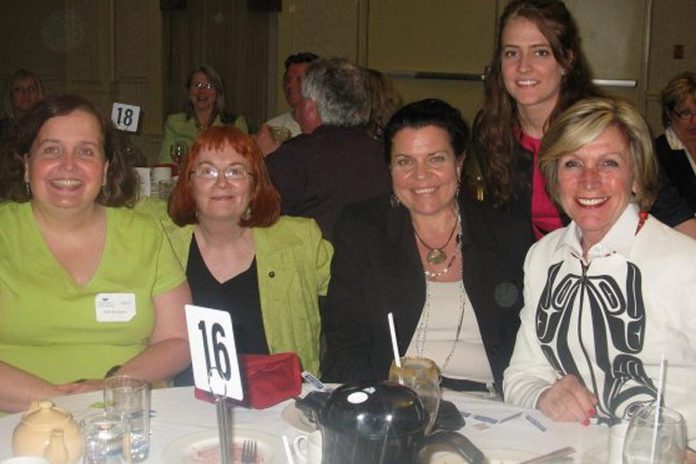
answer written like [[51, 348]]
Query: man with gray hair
[[334, 162]]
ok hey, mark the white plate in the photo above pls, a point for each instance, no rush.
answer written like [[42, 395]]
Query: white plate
[[203, 448], [297, 420], [493, 456]]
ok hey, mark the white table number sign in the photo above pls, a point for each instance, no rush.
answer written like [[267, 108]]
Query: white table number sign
[[211, 341], [125, 117]]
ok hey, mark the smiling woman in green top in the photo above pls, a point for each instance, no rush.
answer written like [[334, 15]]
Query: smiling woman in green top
[[240, 256], [87, 286], [205, 107]]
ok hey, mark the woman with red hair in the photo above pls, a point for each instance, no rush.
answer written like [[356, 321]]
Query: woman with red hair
[[241, 256]]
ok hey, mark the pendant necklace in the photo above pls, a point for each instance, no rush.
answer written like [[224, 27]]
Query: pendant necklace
[[436, 255]]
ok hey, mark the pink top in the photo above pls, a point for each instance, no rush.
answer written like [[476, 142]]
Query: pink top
[[545, 216]]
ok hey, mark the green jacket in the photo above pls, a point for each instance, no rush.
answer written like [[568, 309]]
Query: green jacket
[[178, 129], [293, 267]]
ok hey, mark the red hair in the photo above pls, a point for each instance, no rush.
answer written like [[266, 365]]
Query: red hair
[[265, 199]]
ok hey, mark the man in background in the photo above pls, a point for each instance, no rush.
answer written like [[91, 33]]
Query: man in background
[[334, 162], [284, 126]]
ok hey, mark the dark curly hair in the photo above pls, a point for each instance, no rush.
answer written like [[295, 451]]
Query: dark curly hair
[[494, 125], [121, 180]]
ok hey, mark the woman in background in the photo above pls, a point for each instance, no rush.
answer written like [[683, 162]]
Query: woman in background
[[610, 294], [205, 107], [676, 148], [537, 71], [88, 287], [241, 256], [24, 91], [386, 100]]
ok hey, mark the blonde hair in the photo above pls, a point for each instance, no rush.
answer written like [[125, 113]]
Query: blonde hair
[[584, 122]]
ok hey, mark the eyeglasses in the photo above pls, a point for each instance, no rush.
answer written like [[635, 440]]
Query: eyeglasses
[[202, 85], [20, 89], [231, 173], [684, 114]]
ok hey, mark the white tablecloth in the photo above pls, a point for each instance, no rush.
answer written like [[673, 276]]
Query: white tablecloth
[[177, 414]]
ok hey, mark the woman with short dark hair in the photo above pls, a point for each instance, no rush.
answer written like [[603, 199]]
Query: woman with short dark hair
[[449, 271]]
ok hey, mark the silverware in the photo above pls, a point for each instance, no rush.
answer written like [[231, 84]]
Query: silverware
[[249, 452], [552, 456]]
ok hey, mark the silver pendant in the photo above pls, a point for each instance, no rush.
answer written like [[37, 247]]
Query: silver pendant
[[436, 256]]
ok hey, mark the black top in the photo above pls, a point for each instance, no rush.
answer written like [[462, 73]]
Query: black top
[[675, 164], [376, 269], [239, 296]]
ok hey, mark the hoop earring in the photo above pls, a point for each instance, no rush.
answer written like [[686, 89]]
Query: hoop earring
[[28, 188], [247, 214]]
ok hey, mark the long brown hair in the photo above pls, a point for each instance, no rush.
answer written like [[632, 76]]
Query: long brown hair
[[265, 199], [494, 126]]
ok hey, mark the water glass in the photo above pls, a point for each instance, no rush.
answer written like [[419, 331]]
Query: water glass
[[106, 438], [130, 397], [177, 152], [422, 376], [670, 447]]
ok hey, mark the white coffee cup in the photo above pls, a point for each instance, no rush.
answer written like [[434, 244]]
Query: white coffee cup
[[308, 448], [26, 460], [617, 434], [144, 181], [161, 174]]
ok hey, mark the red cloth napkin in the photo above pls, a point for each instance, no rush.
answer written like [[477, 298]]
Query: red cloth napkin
[[267, 379]]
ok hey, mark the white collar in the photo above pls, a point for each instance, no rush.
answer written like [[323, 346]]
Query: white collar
[[673, 140], [619, 239]]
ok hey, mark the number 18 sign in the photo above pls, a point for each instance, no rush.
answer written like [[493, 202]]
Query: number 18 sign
[[125, 117], [213, 352]]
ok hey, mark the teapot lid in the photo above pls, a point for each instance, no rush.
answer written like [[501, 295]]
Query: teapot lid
[[45, 412], [374, 410]]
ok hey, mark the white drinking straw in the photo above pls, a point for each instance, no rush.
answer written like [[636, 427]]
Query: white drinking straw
[[658, 402], [395, 346], [288, 452]]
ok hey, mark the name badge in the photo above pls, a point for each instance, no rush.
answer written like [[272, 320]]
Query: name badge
[[115, 307]]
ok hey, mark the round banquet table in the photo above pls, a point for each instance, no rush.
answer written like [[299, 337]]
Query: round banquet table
[[177, 414]]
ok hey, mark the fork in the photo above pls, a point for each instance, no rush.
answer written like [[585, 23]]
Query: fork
[[249, 452]]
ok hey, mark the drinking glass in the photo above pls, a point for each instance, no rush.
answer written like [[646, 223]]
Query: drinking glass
[[177, 152], [280, 134], [106, 438], [670, 447], [422, 376], [130, 397]]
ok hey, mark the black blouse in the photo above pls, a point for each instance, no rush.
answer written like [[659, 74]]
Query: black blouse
[[239, 296]]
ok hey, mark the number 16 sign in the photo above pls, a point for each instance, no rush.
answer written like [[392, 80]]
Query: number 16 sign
[[213, 352]]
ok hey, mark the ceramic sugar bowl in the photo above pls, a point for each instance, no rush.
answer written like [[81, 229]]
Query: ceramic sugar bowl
[[49, 431]]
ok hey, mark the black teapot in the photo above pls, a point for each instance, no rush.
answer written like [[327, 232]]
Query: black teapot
[[381, 423]]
